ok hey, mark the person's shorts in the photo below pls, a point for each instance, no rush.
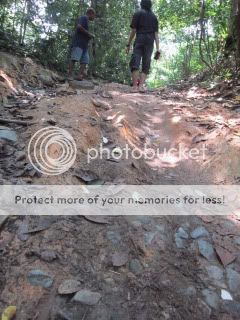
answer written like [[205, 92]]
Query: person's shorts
[[142, 53], [80, 55]]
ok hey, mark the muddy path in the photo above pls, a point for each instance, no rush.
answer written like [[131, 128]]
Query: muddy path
[[133, 267]]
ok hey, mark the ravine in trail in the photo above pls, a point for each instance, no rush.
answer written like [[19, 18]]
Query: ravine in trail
[[139, 267]]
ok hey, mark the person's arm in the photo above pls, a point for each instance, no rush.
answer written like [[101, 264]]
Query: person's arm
[[131, 37], [80, 28]]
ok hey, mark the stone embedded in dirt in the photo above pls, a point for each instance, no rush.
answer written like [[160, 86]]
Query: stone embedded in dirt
[[225, 295], [233, 278], [180, 238], [215, 274], [84, 85], [188, 292], [48, 255], [206, 250], [62, 315], [52, 122], [8, 135], [46, 80], [69, 287], [119, 259], [85, 175], [205, 309], [181, 233], [20, 156], [231, 308], [22, 232], [149, 237], [211, 298], [105, 140], [135, 266], [114, 237], [225, 256], [87, 297], [200, 232], [97, 219], [101, 104], [237, 241], [40, 278]]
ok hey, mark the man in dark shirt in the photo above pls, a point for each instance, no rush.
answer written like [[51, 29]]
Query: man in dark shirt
[[145, 27], [79, 47]]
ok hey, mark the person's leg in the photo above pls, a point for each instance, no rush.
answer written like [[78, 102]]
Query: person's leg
[[146, 64], [84, 61], [135, 65], [75, 57]]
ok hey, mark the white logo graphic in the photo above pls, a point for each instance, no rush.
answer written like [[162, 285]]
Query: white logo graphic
[[52, 151]]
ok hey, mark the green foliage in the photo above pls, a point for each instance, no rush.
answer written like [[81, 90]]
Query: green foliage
[[192, 35]]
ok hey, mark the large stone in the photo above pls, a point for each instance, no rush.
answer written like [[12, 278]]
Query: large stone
[[206, 250], [84, 85], [200, 232], [211, 298], [87, 297], [40, 278], [8, 135], [216, 275], [233, 278]]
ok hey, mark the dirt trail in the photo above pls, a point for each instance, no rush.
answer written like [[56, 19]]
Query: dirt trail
[[164, 276]]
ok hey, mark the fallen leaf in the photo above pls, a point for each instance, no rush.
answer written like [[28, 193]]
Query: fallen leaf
[[225, 256]]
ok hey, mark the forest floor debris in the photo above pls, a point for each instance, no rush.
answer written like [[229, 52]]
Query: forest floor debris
[[140, 267]]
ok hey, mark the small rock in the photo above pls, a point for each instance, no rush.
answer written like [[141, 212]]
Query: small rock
[[180, 238], [87, 297], [52, 122], [84, 85], [237, 241], [188, 292], [40, 278], [100, 313], [20, 156], [119, 259], [69, 287], [206, 311], [62, 315], [135, 267], [46, 80], [8, 135], [200, 232], [114, 237], [225, 295], [149, 237], [231, 307], [216, 274], [181, 233], [206, 250], [48, 255], [211, 298], [233, 278]]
